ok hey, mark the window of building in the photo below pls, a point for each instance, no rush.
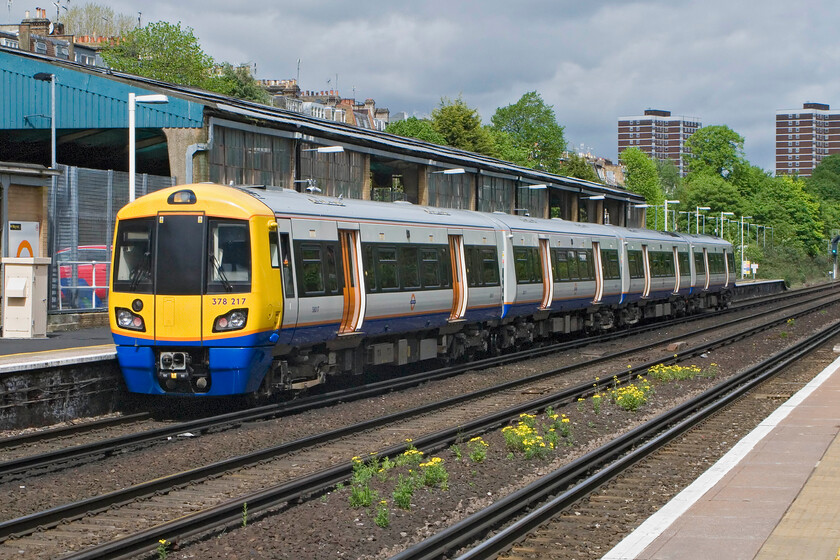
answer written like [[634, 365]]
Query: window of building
[[40, 47], [249, 158], [495, 194]]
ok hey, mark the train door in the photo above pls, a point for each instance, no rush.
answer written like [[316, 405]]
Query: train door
[[354, 284], [459, 277], [677, 271], [283, 246], [726, 266], [646, 263], [547, 276], [179, 281], [599, 272], [706, 264]]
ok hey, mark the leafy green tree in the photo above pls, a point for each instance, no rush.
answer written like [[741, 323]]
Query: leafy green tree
[[793, 213], [641, 178], [669, 176], [708, 189], [238, 82], [412, 127], [162, 51], [576, 166], [825, 179], [506, 147], [534, 129], [461, 127], [96, 20], [715, 149]]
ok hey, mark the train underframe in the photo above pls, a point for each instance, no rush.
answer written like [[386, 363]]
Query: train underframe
[[300, 368]]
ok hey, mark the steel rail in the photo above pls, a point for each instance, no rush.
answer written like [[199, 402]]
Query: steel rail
[[230, 512], [75, 429]]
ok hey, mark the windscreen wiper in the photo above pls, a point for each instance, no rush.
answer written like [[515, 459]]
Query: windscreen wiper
[[225, 281]]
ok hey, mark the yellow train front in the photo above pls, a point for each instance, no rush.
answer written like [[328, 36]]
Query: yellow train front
[[191, 311]]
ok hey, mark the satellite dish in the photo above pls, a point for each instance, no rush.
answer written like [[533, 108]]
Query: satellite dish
[[51, 28]]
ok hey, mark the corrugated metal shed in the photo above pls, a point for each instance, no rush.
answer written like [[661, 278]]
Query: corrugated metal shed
[[83, 99]]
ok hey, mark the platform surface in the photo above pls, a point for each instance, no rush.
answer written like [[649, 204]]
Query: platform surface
[[774, 496], [59, 348]]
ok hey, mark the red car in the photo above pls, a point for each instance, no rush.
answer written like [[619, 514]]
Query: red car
[[90, 290]]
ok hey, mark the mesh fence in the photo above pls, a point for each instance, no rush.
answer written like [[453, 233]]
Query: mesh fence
[[82, 211]]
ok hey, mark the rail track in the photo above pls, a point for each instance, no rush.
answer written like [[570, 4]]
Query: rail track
[[282, 474], [28, 458], [655, 442]]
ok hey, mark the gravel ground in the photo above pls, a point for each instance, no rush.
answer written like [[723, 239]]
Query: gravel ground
[[329, 527]]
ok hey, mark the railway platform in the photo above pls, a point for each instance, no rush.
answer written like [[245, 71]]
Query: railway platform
[[58, 348], [774, 496]]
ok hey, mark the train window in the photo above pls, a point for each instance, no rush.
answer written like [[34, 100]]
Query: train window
[[409, 270], [331, 268], [473, 269], [561, 266], [273, 250], [431, 268], [387, 271], [286, 254], [527, 265], [574, 269], [611, 268], [635, 264], [370, 270], [229, 262], [586, 266], [730, 257], [133, 256], [685, 266], [489, 267], [311, 269], [699, 264]]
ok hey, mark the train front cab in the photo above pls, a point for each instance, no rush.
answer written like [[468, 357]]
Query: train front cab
[[189, 311]]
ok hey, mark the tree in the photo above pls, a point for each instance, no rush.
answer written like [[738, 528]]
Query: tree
[[533, 127], [240, 83], [576, 166], [162, 51], [825, 179], [412, 127], [793, 213], [96, 20], [461, 127], [715, 149], [641, 178], [708, 189], [669, 176]]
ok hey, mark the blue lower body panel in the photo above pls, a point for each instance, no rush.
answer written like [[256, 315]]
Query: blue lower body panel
[[233, 371]]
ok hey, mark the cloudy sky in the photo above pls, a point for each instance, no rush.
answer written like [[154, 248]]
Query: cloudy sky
[[722, 61]]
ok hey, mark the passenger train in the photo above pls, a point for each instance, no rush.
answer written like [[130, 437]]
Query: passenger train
[[219, 290]]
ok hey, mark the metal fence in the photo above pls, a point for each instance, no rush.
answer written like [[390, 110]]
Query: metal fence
[[83, 205]]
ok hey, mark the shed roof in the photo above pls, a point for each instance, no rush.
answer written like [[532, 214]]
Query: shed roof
[[96, 99]]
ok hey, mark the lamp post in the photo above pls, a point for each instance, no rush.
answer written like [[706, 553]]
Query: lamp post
[[133, 99], [667, 202], [47, 77], [697, 218], [722, 214], [742, 243]]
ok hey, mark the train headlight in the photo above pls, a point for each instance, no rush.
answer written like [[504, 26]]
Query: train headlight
[[128, 320], [231, 321]]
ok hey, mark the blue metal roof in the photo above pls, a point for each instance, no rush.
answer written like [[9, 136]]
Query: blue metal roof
[[83, 99]]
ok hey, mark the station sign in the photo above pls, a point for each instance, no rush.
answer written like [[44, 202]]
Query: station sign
[[24, 239]]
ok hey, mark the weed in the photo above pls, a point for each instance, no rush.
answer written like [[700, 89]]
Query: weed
[[477, 449], [383, 516], [403, 492]]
